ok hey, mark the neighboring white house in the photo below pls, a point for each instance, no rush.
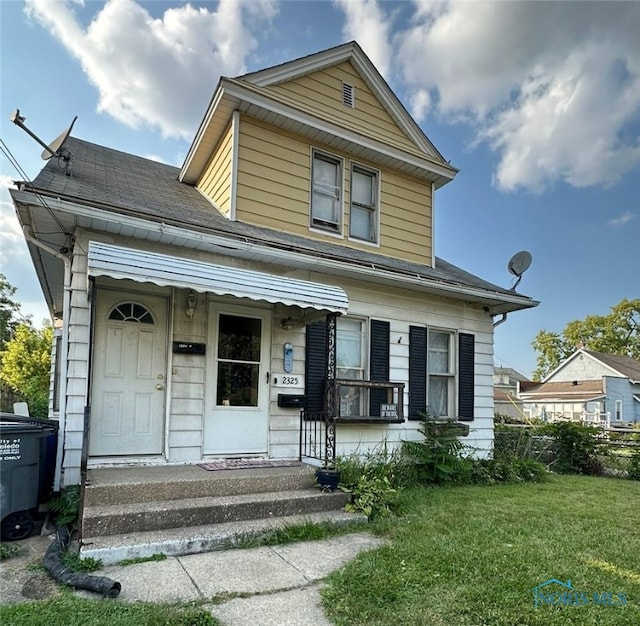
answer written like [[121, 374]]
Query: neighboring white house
[[589, 387], [288, 264]]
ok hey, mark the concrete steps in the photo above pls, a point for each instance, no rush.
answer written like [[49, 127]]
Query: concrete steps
[[184, 509]]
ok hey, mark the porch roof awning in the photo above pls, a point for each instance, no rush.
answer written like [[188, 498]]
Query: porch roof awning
[[166, 270]]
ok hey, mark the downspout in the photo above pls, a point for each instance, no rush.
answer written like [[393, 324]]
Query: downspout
[[66, 311], [501, 320]]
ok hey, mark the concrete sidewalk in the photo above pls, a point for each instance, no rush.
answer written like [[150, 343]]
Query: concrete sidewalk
[[264, 586]]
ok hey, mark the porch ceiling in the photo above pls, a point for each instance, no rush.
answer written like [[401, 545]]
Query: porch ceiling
[[165, 270]]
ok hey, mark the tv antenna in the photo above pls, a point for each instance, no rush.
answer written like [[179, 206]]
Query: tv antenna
[[56, 148], [518, 264]]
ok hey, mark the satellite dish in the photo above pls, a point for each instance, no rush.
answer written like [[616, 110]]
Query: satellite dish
[[518, 265], [55, 147]]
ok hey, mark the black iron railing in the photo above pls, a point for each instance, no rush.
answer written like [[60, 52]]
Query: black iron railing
[[318, 437]]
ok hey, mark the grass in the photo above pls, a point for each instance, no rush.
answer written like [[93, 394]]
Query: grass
[[158, 556], [307, 531], [72, 611], [472, 555], [9, 550]]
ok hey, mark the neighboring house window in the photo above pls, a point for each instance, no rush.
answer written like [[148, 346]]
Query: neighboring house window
[[350, 364], [433, 373], [618, 410], [363, 214], [326, 192], [440, 374]]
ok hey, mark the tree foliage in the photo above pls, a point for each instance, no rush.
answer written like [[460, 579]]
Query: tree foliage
[[9, 310], [615, 333], [25, 365]]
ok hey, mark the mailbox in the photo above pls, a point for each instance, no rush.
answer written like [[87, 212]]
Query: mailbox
[[291, 401]]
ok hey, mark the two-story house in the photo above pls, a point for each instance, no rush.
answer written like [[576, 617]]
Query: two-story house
[[289, 264]]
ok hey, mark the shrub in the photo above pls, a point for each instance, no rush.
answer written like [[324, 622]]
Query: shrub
[[66, 506], [575, 449], [634, 465], [440, 457], [372, 480]]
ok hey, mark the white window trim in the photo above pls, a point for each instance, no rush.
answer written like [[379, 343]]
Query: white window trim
[[451, 375], [378, 175], [618, 410], [315, 227], [365, 356]]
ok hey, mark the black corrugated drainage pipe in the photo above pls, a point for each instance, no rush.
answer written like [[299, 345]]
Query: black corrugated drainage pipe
[[53, 564]]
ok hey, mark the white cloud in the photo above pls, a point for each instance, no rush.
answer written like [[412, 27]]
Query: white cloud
[[367, 23], [621, 220], [554, 88], [158, 72]]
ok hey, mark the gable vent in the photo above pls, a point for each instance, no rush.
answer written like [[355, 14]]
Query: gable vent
[[348, 95]]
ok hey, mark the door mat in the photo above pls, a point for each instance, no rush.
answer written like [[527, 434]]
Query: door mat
[[229, 464]]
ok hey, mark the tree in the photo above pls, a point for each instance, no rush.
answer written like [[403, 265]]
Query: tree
[[25, 365], [10, 313], [615, 333]]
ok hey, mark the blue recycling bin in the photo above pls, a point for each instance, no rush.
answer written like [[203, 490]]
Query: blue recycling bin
[[27, 463]]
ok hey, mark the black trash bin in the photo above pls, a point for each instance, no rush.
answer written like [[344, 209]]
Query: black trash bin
[[27, 463]]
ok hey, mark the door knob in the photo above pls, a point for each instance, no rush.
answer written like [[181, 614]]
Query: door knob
[[159, 387]]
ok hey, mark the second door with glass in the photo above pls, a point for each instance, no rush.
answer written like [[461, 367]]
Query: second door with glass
[[237, 404]]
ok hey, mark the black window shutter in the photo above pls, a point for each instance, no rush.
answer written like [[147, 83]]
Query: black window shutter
[[315, 367], [378, 363], [417, 371], [466, 373]]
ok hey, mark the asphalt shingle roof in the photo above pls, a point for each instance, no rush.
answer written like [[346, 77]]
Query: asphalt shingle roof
[[624, 364], [128, 184]]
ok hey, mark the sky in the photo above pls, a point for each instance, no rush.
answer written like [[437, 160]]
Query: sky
[[537, 104]]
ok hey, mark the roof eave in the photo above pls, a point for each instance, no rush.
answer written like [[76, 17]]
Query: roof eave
[[493, 302], [233, 95]]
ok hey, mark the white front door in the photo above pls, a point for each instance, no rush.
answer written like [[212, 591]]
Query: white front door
[[237, 414], [129, 375]]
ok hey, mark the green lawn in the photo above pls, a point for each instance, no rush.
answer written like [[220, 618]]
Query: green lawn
[[472, 555], [69, 610]]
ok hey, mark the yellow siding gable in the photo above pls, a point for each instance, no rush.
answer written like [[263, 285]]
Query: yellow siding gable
[[273, 190], [320, 93], [215, 182]]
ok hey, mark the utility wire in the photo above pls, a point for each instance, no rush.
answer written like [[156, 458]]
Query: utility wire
[[12, 159]]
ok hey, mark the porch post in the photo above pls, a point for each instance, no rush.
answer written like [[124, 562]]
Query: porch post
[[330, 401]]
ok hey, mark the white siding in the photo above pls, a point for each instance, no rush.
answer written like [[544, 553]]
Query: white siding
[[187, 383]]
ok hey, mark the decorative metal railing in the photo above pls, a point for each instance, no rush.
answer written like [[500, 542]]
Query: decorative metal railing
[[318, 437]]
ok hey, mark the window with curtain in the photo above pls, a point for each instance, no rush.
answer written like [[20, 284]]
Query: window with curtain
[[440, 374], [326, 192], [363, 214], [350, 364]]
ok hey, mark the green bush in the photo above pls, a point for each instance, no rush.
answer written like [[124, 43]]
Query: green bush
[[440, 457], [494, 471], [575, 449], [66, 506], [634, 465], [373, 479]]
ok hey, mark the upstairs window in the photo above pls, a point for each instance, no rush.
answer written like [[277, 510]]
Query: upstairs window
[[326, 192], [363, 214]]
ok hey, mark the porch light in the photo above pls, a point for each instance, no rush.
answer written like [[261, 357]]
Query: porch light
[[191, 305], [287, 323]]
